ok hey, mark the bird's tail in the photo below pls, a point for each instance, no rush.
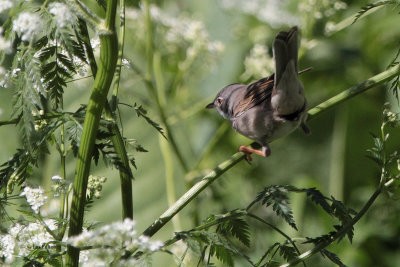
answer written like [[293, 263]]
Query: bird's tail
[[288, 92]]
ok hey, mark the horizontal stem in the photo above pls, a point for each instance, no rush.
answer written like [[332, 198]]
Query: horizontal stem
[[237, 157]]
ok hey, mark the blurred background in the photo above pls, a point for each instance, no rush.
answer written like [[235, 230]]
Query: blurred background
[[200, 47]]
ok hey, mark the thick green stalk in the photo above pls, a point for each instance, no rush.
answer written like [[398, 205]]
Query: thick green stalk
[[125, 172], [108, 42], [237, 157]]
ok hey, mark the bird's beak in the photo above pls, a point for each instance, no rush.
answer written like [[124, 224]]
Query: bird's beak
[[211, 105]]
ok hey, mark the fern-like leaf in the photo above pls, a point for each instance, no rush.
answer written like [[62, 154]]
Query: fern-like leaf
[[141, 112], [277, 197], [287, 252], [333, 257], [344, 215], [372, 6], [238, 228]]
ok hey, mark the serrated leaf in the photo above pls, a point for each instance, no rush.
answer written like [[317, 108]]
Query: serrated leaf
[[238, 228], [333, 257], [318, 198], [287, 252], [39, 44], [222, 253], [276, 196], [141, 112], [343, 214], [47, 53], [372, 6], [66, 62]]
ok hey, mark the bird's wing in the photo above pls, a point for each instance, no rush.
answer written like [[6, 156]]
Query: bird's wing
[[255, 94]]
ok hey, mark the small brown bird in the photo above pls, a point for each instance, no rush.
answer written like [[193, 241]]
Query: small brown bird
[[269, 108]]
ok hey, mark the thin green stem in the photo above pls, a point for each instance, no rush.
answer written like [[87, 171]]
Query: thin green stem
[[108, 42], [155, 89], [338, 234], [169, 179], [192, 193], [237, 157], [121, 45], [275, 229], [338, 150]]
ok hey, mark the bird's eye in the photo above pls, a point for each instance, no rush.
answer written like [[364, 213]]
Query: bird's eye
[[219, 100]]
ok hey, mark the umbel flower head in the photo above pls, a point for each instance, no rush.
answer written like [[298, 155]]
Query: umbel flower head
[[35, 197], [28, 25]]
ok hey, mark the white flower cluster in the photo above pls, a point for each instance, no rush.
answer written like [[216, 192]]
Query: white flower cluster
[[22, 239], [95, 186], [28, 25], [62, 13], [177, 35], [109, 240], [273, 12], [5, 4], [60, 185], [35, 197], [5, 45], [321, 9], [258, 63]]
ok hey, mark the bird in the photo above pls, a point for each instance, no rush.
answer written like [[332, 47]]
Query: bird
[[271, 107]]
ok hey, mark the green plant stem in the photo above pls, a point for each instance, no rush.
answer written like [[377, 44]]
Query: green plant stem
[[192, 193], [355, 90], [153, 89], [169, 179], [339, 234], [125, 172], [108, 42], [121, 45], [237, 157], [338, 151]]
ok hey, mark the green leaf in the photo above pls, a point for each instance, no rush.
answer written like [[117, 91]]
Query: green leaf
[[277, 197], [341, 212], [287, 252], [238, 228], [371, 6], [47, 52], [222, 253], [141, 112], [318, 198], [333, 257]]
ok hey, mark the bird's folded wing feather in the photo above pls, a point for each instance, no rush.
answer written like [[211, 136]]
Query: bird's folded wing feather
[[255, 94]]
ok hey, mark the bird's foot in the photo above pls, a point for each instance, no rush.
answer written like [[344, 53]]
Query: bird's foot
[[264, 152]]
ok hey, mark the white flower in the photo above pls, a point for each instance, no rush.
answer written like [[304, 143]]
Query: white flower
[[7, 245], [62, 14], [259, 63], [31, 236], [60, 186], [28, 25], [146, 244], [126, 63], [95, 186], [112, 235], [272, 12], [340, 5], [329, 27], [5, 4], [5, 45], [95, 42], [35, 197]]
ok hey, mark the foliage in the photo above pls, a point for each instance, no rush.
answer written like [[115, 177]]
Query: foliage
[[172, 56]]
